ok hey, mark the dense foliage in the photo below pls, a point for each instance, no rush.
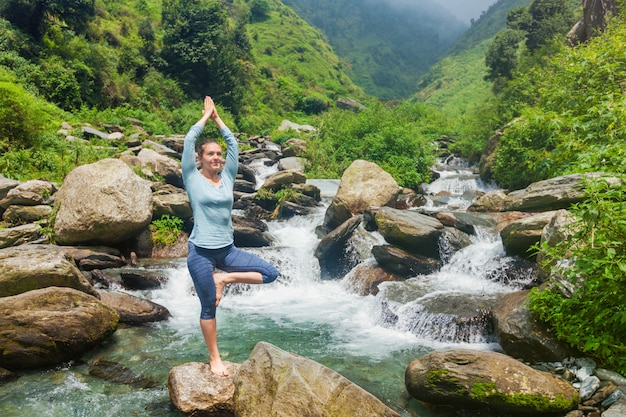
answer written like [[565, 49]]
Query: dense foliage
[[570, 109], [399, 139], [572, 112], [592, 317], [200, 50]]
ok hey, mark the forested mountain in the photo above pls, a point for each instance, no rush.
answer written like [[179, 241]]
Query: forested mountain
[[456, 83], [389, 45]]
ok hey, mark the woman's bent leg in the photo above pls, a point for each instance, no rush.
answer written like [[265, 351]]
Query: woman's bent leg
[[244, 264]]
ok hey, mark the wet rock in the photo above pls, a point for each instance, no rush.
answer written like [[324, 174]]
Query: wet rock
[[470, 379], [115, 372], [143, 279], [588, 387], [251, 232], [30, 267], [196, 391], [363, 184], [402, 263], [331, 251], [49, 326], [411, 231], [282, 179], [133, 310], [273, 382], [522, 335], [364, 279]]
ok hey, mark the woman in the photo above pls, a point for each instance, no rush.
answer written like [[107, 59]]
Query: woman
[[211, 246]]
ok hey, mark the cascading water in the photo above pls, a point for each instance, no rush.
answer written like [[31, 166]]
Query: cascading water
[[368, 339]]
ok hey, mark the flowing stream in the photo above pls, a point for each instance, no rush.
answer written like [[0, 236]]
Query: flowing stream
[[368, 339]]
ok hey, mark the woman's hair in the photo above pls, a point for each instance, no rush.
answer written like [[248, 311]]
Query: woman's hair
[[200, 145]]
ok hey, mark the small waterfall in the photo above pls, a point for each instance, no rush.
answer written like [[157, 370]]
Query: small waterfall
[[263, 168], [453, 305], [456, 187]]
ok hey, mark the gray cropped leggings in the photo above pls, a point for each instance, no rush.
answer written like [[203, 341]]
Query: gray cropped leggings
[[201, 263]]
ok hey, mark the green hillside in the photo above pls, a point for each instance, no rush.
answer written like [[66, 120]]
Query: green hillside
[[456, 83], [258, 59], [388, 47]]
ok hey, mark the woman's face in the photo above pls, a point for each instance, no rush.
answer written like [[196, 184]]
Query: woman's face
[[211, 157]]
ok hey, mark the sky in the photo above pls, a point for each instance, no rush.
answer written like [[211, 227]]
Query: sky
[[465, 10]]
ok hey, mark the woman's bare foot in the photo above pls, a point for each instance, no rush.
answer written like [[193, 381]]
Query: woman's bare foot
[[219, 287], [218, 368]]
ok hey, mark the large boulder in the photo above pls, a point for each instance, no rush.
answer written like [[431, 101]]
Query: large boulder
[[50, 326], [466, 379], [552, 194], [522, 335], [30, 267], [519, 236], [276, 383], [102, 203], [363, 184], [331, 251], [409, 230]]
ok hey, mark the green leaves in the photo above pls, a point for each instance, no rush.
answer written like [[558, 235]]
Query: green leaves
[[593, 318], [398, 139], [166, 230]]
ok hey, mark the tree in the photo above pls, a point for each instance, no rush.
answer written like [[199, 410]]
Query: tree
[[548, 18], [203, 52], [501, 58], [259, 9], [34, 16]]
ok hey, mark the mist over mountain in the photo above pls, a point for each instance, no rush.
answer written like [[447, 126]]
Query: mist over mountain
[[388, 44], [465, 10]]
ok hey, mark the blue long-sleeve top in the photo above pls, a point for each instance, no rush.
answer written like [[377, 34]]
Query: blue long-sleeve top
[[212, 206]]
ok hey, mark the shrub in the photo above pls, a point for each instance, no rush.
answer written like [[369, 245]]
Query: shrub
[[312, 105], [22, 116], [166, 230], [593, 318], [398, 139]]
